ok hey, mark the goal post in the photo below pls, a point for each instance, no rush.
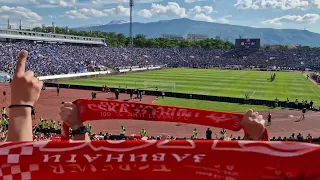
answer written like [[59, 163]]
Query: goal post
[[160, 85]]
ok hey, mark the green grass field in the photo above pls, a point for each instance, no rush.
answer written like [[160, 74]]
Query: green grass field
[[231, 83], [211, 105]]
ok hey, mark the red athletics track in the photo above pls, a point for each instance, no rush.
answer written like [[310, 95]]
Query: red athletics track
[[49, 104]]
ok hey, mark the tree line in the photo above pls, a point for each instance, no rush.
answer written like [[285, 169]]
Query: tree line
[[140, 40], [120, 40]]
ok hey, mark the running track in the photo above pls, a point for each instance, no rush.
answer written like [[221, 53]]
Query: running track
[[49, 104]]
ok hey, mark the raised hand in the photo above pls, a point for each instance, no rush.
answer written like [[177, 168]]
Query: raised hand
[[254, 125], [25, 88], [69, 115]]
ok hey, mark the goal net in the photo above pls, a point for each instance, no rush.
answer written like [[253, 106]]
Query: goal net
[[160, 85]]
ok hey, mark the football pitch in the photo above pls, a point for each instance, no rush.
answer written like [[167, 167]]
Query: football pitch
[[217, 82]]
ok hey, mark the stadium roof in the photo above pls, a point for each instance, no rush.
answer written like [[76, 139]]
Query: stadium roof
[[48, 37]]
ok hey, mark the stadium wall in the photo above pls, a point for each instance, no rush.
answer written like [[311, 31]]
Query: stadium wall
[[90, 74]]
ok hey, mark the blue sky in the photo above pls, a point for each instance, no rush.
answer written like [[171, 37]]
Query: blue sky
[[297, 14]]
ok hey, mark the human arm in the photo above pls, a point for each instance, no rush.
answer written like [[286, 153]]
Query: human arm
[[25, 90]]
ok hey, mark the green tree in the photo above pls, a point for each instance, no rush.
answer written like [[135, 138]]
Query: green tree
[[140, 40]]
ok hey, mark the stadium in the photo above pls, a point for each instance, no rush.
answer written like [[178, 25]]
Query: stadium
[[282, 84]]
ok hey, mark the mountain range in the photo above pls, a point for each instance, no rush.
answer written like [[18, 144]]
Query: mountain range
[[185, 26]]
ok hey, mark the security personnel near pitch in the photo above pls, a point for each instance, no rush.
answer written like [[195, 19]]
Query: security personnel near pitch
[[296, 103], [122, 131], [3, 112], [303, 103], [59, 126], [2, 123], [223, 133], [116, 93], [195, 134], [137, 91], [311, 104], [143, 132], [52, 126], [303, 112], [287, 102], [276, 102], [94, 95], [45, 127], [140, 95], [58, 90], [4, 96], [89, 128], [40, 123], [208, 134], [131, 93], [269, 119], [5, 123]]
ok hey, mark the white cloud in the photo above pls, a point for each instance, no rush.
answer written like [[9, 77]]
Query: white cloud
[[145, 13], [86, 13], [172, 9], [42, 3], [192, 1], [203, 9], [123, 1], [280, 4], [317, 3], [225, 19], [28, 17], [203, 17], [293, 19]]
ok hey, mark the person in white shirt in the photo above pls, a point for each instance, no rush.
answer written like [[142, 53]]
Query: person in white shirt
[[276, 102]]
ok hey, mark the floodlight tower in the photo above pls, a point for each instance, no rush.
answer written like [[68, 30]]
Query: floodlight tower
[[130, 30]]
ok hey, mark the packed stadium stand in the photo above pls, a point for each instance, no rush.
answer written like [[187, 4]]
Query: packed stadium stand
[[51, 58]]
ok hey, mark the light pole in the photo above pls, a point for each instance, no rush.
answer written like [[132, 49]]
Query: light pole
[[130, 28]]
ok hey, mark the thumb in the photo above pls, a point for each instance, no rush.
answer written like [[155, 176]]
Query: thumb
[[248, 113], [21, 64], [245, 116]]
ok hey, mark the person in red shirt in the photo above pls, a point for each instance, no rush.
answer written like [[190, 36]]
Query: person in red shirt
[[269, 119]]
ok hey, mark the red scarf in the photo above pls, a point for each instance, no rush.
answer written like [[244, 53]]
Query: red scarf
[[110, 110], [159, 159]]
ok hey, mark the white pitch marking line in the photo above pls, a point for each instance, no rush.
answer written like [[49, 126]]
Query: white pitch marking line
[[252, 94], [310, 87]]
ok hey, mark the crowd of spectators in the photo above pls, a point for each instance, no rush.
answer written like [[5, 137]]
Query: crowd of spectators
[[40, 136], [48, 59]]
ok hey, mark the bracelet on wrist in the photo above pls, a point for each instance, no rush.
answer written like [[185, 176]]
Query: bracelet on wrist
[[21, 105], [80, 131]]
